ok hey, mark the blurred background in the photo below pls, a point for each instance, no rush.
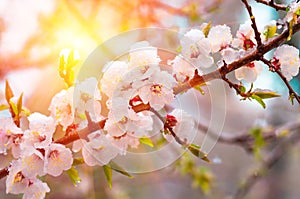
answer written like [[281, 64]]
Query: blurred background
[[32, 35]]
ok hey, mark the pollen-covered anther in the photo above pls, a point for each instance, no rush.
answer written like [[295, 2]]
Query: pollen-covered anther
[[18, 177], [156, 89]]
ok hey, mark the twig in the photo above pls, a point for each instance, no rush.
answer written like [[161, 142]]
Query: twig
[[277, 153], [292, 92], [169, 128], [272, 4], [254, 26], [244, 139]]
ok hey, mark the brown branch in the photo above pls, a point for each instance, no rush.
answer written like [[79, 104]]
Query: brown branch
[[272, 4], [255, 55], [3, 172], [292, 92], [254, 26], [277, 153], [246, 140], [76, 135]]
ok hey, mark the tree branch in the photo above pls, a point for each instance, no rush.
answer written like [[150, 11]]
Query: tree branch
[[252, 56], [292, 92], [254, 26], [272, 4]]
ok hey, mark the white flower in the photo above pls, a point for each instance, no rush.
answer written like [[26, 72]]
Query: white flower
[[36, 190], [230, 55], [98, 150], [87, 99], [57, 159], [16, 181], [142, 54], [182, 68], [10, 137], [219, 37], [113, 74], [40, 132], [249, 72], [61, 107], [196, 48], [288, 57], [32, 163], [157, 90], [245, 37], [293, 12]]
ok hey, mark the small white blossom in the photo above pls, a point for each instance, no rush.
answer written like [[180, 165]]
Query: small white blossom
[[219, 37], [288, 57], [184, 127], [113, 74], [294, 11], [245, 37], [57, 159], [142, 54], [182, 68], [249, 72], [196, 48]]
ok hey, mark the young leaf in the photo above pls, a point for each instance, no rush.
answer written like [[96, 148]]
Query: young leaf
[[108, 174], [258, 141], [291, 23], [119, 169], [146, 141], [8, 92], [74, 176], [195, 150], [19, 104], [259, 100], [13, 107], [265, 94], [198, 88], [270, 31], [206, 29], [3, 107]]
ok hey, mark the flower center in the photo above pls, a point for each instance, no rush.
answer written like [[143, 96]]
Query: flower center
[[156, 89]]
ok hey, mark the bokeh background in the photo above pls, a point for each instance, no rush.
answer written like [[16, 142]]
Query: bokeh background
[[32, 34]]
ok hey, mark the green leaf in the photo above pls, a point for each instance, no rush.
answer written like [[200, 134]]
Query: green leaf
[[291, 98], [265, 94], [3, 107], [242, 89], [198, 88], [259, 141], [203, 178], [108, 174], [119, 169], [74, 176], [19, 104], [195, 150], [147, 141], [259, 100], [270, 31], [179, 49], [291, 23], [297, 12], [13, 107]]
